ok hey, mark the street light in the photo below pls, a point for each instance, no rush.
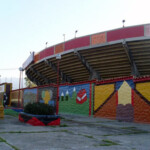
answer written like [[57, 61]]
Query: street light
[[64, 37], [46, 44], [58, 57], [0, 79], [21, 75], [123, 21], [75, 33]]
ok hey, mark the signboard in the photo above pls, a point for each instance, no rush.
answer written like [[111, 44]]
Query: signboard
[[29, 60], [2, 88]]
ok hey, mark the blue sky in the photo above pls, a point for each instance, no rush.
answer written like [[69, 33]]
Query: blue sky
[[26, 25]]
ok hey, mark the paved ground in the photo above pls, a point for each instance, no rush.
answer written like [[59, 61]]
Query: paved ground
[[75, 133]]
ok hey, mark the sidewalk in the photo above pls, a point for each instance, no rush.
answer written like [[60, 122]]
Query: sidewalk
[[75, 132]]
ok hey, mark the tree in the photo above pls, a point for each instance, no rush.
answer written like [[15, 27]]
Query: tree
[[29, 83]]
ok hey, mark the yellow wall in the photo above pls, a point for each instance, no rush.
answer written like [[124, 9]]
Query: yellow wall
[[144, 89], [124, 94], [102, 92]]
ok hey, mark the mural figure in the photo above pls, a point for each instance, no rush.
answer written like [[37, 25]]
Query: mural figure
[[29, 96], [125, 110], [47, 96], [74, 99], [5, 100], [81, 96], [62, 96]]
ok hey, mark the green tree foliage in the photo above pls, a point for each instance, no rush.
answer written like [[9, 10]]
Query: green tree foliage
[[29, 83]]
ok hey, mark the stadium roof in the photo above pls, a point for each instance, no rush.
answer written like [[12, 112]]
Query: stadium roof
[[110, 54]]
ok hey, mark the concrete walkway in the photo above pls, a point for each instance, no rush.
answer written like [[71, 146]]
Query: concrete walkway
[[75, 133]]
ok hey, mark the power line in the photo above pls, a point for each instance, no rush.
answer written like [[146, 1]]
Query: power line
[[8, 68]]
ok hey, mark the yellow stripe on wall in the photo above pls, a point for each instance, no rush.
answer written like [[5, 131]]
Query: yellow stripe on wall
[[144, 89], [102, 92], [124, 94]]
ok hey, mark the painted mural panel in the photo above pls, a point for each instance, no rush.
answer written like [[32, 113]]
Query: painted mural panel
[[29, 96], [14, 95], [74, 99], [36, 57], [1, 98], [48, 95], [124, 33], [108, 110], [141, 109], [124, 94], [78, 42], [102, 93], [124, 110], [144, 89], [147, 30], [5, 88], [98, 38], [59, 48]]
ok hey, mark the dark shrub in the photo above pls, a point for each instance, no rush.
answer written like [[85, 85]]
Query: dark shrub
[[39, 109]]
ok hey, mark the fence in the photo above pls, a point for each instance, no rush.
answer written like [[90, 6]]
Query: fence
[[124, 99]]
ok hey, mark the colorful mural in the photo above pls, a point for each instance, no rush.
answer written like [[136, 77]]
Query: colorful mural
[[74, 99], [48, 95], [142, 102], [114, 101], [128, 102], [102, 93], [123, 100], [124, 110], [144, 90], [29, 96], [98, 38], [103, 106], [108, 110], [141, 109]]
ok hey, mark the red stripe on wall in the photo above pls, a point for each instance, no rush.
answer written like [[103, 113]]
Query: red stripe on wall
[[125, 33], [76, 43], [116, 98], [47, 52], [132, 97], [90, 99]]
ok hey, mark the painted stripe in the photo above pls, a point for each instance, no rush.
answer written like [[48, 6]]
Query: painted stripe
[[78, 98], [132, 97], [116, 98], [83, 96]]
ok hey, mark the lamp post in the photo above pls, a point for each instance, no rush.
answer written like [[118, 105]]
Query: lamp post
[[123, 21], [0, 79], [46, 44], [64, 37], [21, 71], [75, 33], [58, 57]]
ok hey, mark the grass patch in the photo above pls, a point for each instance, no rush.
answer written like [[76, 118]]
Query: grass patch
[[67, 119], [108, 143], [89, 136], [11, 112], [63, 125], [129, 128], [2, 140], [12, 146], [63, 131], [134, 130], [108, 134], [129, 131], [14, 132]]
